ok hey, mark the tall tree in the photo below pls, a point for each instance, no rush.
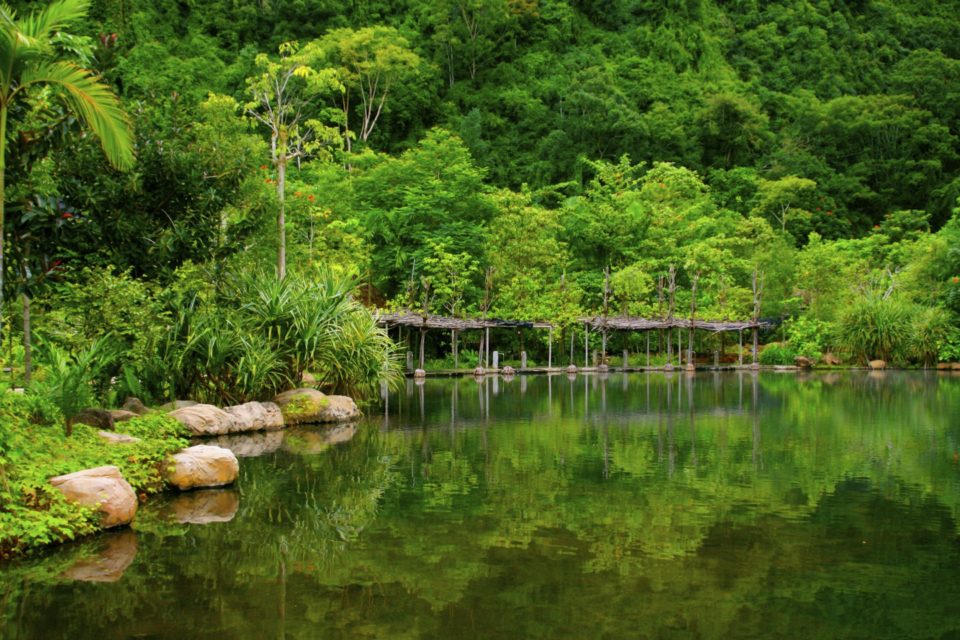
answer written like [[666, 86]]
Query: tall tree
[[369, 62], [29, 60], [283, 101]]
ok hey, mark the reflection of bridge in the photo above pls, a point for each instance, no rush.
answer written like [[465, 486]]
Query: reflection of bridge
[[469, 401]]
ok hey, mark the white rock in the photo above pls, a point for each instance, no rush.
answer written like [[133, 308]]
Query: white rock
[[256, 416], [202, 466], [205, 420], [101, 488]]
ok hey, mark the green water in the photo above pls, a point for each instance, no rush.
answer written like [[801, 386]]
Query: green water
[[643, 506]]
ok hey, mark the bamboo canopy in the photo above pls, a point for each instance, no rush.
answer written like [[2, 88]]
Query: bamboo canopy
[[625, 323], [419, 320]]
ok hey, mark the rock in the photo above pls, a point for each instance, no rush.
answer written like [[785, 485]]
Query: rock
[[803, 362], [117, 552], [308, 379], [205, 420], [830, 359], [339, 409], [603, 368], [256, 416], [478, 371], [572, 368], [956, 366], [134, 405], [205, 507], [117, 438], [177, 404], [508, 371], [301, 405], [249, 445], [202, 466], [103, 489], [878, 364], [99, 418], [122, 415], [420, 373], [944, 366]]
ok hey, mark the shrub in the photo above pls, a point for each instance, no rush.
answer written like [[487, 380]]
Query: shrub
[[876, 327], [931, 328], [777, 354], [948, 349], [74, 381], [810, 337]]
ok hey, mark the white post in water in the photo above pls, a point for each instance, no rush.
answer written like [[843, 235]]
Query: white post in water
[[496, 359], [523, 360], [586, 345], [409, 360], [626, 359], [550, 349]]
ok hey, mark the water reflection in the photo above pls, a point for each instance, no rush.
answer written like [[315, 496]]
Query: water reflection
[[205, 506], [110, 556]]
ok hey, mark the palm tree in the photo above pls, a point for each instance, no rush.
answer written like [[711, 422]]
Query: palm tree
[[28, 59]]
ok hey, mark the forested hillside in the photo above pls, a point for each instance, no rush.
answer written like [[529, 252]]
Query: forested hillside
[[496, 156]]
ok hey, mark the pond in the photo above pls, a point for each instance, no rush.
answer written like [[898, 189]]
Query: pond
[[715, 505]]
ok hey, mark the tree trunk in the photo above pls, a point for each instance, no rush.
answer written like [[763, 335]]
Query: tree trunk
[[281, 215], [27, 342], [3, 177]]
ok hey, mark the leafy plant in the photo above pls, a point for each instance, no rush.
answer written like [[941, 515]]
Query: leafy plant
[[74, 381], [876, 327], [777, 354], [930, 329]]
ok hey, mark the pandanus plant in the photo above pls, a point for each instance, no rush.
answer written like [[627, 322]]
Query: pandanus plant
[[29, 60]]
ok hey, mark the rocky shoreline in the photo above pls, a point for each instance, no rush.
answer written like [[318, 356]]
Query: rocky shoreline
[[211, 464]]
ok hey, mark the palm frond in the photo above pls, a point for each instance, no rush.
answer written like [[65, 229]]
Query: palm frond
[[54, 17], [94, 103]]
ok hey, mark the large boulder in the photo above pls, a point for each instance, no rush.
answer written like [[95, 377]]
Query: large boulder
[[202, 466], [117, 552], [339, 409], [99, 418], [205, 507], [205, 420], [177, 404], [122, 415], [116, 438], [803, 362], [103, 489], [256, 416], [878, 364], [309, 406], [301, 405], [135, 405]]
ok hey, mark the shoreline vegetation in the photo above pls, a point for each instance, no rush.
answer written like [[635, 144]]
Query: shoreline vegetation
[[166, 232]]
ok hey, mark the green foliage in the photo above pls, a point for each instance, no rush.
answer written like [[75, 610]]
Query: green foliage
[[778, 354], [810, 337], [34, 514], [876, 327], [948, 349], [74, 381], [931, 328]]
